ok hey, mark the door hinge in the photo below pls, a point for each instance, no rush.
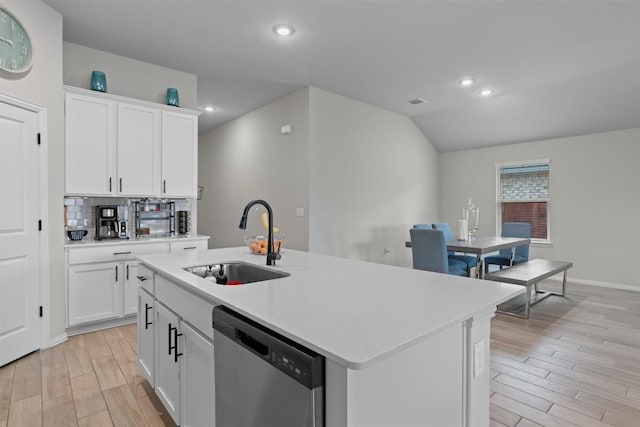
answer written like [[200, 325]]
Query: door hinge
[[39, 225], [41, 311], [39, 140]]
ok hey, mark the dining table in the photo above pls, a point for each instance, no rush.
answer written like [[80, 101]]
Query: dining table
[[483, 245]]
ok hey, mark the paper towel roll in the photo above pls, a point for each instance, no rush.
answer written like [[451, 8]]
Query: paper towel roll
[[463, 229]]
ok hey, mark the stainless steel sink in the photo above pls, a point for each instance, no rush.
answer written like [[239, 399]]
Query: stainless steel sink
[[235, 273]]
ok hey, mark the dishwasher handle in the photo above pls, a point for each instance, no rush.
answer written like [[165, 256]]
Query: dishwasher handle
[[252, 343]]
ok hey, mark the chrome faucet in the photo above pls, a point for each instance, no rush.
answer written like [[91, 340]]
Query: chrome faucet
[[271, 255]]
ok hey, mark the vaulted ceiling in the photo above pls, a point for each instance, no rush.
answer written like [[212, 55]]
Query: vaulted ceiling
[[558, 68]]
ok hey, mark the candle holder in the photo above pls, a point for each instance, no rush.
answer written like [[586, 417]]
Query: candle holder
[[98, 81], [172, 97]]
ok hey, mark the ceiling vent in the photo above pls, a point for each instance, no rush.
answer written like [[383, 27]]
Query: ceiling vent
[[416, 101]]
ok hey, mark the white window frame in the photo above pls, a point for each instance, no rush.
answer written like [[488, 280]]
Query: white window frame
[[498, 166]]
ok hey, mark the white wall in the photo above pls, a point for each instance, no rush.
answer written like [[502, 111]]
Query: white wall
[[126, 76], [372, 175], [594, 207], [248, 158], [43, 86]]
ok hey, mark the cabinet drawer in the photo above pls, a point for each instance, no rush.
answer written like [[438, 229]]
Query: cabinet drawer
[[191, 308], [114, 253], [145, 278], [196, 245]]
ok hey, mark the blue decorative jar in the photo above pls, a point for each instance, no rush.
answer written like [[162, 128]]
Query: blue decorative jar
[[172, 97], [98, 81]]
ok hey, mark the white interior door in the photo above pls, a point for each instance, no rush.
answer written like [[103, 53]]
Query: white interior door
[[19, 235]]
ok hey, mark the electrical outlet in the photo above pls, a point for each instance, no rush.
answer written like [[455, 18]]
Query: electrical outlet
[[478, 358]]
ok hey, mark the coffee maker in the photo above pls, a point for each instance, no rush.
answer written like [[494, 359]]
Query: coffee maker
[[107, 224]]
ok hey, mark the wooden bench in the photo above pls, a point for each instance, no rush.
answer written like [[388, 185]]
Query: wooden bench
[[528, 274]]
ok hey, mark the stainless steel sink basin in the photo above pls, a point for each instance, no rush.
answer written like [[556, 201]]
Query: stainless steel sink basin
[[235, 273]]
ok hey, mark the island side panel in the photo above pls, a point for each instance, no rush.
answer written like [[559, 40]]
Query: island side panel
[[478, 337], [422, 385]]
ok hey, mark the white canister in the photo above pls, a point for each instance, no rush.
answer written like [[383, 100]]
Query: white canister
[[463, 229]]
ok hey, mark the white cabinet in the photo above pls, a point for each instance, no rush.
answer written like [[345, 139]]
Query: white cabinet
[[167, 358], [89, 145], [189, 245], [130, 288], [95, 292], [179, 154], [183, 362], [138, 150], [197, 379], [119, 146], [146, 334]]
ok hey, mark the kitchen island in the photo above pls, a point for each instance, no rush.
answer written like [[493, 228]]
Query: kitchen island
[[399, 343]]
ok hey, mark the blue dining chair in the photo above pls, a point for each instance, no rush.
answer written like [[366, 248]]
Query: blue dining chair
[[511, 229], [429, 250], [469, 261], [424, 226]]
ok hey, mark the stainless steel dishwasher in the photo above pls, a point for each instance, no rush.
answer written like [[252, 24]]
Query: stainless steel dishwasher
[[262, 378]]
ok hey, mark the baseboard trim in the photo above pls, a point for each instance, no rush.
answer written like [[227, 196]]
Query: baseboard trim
[[98, 326], [57, 340], [611, 285]]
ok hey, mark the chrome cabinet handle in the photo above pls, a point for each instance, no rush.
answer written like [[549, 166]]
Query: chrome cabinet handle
[[122, 253], [189, 247]]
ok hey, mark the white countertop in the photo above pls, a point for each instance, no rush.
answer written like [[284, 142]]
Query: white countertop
[[352, 312], [133, 240]]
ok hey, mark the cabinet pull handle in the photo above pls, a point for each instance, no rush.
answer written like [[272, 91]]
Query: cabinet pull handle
[[127, 272], [170, 346], [164, 185], [142, 278], [109, 184], [146, 316], [175, 348], [189, 247], [122, 253], [120, 185], [116, 273]]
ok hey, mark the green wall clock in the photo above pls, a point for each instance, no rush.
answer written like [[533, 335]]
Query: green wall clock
[[16, 52]]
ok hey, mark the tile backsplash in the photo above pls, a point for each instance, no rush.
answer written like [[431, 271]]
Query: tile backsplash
[[79, 212]]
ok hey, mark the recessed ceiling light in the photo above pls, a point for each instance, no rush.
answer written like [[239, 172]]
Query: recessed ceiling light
[[466, 82], [486, 92], [283, 30], [416, 101], [209, 109]]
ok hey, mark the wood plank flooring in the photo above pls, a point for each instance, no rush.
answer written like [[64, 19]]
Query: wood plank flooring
[[575, 362], [90, 380]]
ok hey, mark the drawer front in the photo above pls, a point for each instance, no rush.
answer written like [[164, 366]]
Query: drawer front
[[145, 278], [114, 253], [189, 245], [192, 309]]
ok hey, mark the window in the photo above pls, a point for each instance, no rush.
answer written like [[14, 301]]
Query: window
[[523, 196]]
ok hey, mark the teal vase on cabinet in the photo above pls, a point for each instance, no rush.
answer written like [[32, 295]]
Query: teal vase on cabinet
[[172, 97], [98, 81]]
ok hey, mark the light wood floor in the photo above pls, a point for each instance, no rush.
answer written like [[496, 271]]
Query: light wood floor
[[576, 362]]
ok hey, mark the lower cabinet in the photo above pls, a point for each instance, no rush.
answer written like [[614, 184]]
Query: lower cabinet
[[167, 360], [146, 335], [178, 361], [95, 292], [130, 289]]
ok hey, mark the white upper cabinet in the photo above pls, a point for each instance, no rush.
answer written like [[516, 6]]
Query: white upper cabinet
[[138, 150], [179, 154], [89, 146], [116, 146]]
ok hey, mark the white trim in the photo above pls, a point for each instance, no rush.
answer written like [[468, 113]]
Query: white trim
[[43, 208], [57, 340], [522, 163], [587, 282]]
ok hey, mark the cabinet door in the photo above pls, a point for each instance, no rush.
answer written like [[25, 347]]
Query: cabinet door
[[179, 154], [138, 150], [197, 377], [89, 144], [130, 287], [146, 334], [167, 368], [95, 292]]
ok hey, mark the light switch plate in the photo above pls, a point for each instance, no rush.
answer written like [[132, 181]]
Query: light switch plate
[[478, 358], [299, 211]]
